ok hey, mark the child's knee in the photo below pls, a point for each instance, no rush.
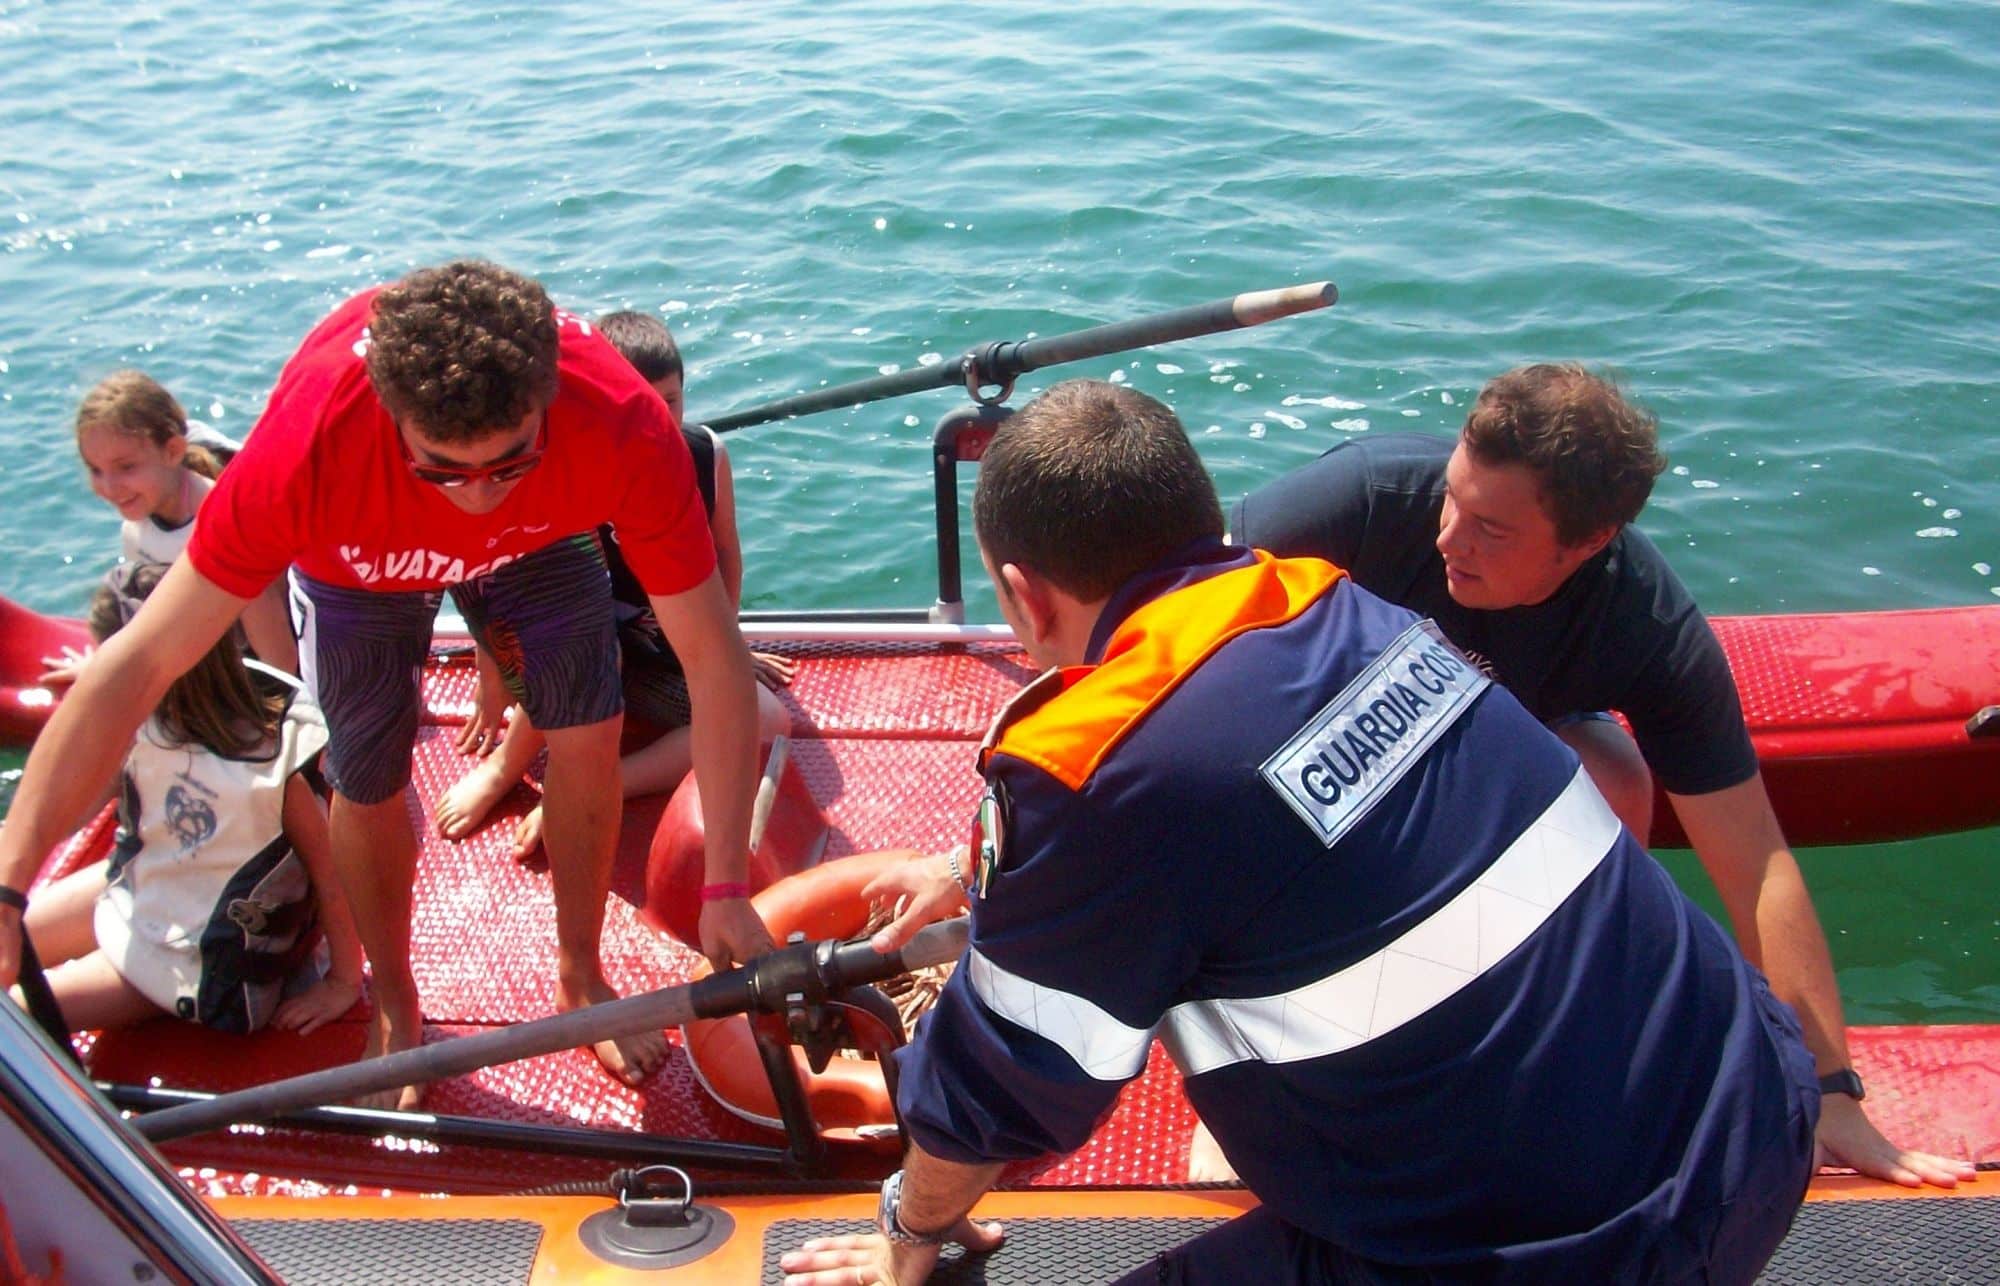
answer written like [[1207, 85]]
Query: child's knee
[[773, 720]]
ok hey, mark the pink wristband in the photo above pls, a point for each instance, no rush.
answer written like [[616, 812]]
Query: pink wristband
[[717, 892]]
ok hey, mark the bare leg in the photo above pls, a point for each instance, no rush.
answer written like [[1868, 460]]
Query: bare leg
[[61, 920], [773, 720], [375, 852], [465, 804], [93, 995], [1616, 768], [1206, 1164], [660, 765], [581, 807]]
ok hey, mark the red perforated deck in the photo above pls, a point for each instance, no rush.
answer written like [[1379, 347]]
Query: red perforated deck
[[885, 740]]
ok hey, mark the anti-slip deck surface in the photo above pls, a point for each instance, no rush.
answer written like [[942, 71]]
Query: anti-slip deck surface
[[1860, 1234]]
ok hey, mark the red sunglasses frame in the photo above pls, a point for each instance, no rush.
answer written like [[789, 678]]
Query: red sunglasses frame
[[511, 469]]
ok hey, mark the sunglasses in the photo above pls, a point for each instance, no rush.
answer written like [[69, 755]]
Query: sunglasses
[[454, 475]]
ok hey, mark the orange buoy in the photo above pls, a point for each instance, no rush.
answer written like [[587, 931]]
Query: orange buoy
[[794, 836], [849, 1099]]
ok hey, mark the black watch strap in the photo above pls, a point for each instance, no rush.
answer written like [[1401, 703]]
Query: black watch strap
[[1844, 1081], [11, 896]]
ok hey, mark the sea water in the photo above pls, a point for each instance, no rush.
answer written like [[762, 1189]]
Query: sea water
[[1779, 222]]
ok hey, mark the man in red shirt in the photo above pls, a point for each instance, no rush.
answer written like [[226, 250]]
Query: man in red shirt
[[453, 431]]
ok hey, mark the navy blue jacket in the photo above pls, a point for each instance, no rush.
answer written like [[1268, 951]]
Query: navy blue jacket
[[1437, 1006]]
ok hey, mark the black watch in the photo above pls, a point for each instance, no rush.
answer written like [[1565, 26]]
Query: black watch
[[889, 1217], [1843, 1081]]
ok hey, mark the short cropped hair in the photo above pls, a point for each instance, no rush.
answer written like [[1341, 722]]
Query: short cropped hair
[[464, 351], [1090, 484], [644, 341], [1595, 452]]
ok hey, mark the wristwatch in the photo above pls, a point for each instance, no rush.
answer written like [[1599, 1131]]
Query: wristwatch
[[889, 1217], [1843, 1081]]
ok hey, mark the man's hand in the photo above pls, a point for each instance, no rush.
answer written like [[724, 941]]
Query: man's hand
[[1847, 1137], [925, 891], [732, 933], [865, 1259]]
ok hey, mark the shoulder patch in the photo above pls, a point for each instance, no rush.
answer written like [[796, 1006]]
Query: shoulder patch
[[989, 837], [1340, 764]]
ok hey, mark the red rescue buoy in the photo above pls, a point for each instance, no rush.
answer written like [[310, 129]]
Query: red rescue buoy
[[794, 836], [849, 1100]]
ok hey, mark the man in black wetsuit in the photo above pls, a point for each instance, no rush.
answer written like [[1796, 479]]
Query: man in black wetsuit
[[1516, 540]]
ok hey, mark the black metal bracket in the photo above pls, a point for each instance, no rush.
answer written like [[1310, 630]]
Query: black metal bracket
[[961, 437], [861, 1019]]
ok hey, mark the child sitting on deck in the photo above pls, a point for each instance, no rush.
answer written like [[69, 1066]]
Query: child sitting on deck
[[656, 692], [138, 448], [207, 904]]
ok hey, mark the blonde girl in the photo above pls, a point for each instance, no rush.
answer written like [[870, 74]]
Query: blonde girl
[[133, 437]]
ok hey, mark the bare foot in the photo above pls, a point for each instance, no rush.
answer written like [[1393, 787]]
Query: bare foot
[[528, 835], [629, 1058], [392, 1033], [462, 807], [1206, 1164]]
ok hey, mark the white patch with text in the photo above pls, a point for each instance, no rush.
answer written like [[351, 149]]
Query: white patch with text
[[1360, 744]]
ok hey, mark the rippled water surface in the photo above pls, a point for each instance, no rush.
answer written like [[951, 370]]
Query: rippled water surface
[[1780, 222]]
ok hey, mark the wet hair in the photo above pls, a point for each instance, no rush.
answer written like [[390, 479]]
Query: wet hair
[[1595, 452], [1090, 484], [644, 341], [135, 404], [217, 703], [463, 351]]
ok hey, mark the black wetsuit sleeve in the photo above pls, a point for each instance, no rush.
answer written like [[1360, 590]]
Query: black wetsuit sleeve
[[1319, 511], [1686, 715]]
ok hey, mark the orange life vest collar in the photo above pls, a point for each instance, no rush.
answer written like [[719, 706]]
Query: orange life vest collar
[[1147, 656]]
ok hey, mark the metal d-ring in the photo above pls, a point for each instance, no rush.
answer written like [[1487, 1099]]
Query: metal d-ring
[[973, 386], [642, 1181]]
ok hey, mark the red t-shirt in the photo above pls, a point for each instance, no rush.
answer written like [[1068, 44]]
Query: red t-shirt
[[322, 481]]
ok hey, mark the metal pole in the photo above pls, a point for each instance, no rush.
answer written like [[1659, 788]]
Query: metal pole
[[810, 968], [998, 363], [474, 1131]]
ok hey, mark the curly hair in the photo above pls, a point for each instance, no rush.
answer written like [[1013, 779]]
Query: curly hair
[[1090, 484], [1595, 452], [137, 405], [463, 351]]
